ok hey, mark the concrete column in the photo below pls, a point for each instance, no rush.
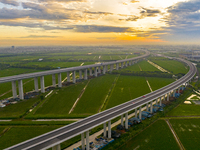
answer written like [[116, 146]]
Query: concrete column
[[122, 65], [56, 147], [21, 92], [59, 80], [156, 101], [179, 90], [104, 69], [74, 76], [14, 89], [140, 113], [130, 63], [87, 140], [36, 84], [147, 107], [104, 129], [126, 120], [42, 84], [85, 75], [174, 93], [99, 70], [117, 66], [135, 112], [111, 68], [167, 96], [83, 141], [54, 80], [151, 107], [126, 64], [90, 71], [109, 129], [80, 74], [68, 77], [160, 101], [122, 120], [95, 71]]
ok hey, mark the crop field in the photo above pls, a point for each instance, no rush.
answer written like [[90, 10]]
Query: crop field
[[1, 129], [158, 136], [59, 103], [172, 66], [188, 131], [157, 83], [185, 110], [17, 110], [145, 66], [19, 134], [127, 88], [94, 95]]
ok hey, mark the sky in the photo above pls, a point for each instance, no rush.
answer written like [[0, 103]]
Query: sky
[[99, 22]]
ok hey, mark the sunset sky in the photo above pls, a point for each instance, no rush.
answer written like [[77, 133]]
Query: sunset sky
[[89, 22]]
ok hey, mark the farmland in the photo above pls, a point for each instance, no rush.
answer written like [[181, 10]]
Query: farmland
[[157, 136], [188, 131]]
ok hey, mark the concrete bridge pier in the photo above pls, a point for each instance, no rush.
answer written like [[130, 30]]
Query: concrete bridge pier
[[135, 112], [147, 107], [57, 147], [160, 101], [156, 101], [87, 140], [99, 71], [54, 80], [83, 141], [126, 63], [117, 66], [74, 76], [90, 71], [167, 96], [42, 84], [140, 113], [126, 121], [174, 92], [59, 80], [21, 91], [109, 129], [122, 120], [151, 106], [104, 129], [122, 64], [179, 90], [85, 74], [129, 63], [14, 89], [104, 69], [95, 71], [80, 74], [68, 77], [36, 84]]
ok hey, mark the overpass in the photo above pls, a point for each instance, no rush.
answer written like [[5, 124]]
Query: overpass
[[55, 138], [97, 69]]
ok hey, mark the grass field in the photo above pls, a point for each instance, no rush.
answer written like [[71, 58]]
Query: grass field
[[185, 110], [156, 137], [157, 83], [94, 95], [127, 88], [19, 134], [172, 66], [59, 103], [17, 110], [188, 131]]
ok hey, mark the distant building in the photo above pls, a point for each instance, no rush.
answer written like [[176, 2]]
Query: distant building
[[12, 47]]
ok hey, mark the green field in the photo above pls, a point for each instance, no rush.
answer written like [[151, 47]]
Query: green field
[[188, 131], [157, 83], [127, 88], [59, 103], [172, 66], [94, 95], [156, 137], [19, 134], [185, 110], [145, 66]]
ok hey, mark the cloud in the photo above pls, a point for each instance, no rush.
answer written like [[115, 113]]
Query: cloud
[[39, 36], [99, 13], [149, 12], [134, 1], [64, 1], [10, 2]]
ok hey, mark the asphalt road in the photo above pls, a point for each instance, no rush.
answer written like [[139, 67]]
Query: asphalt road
[[62, 134]]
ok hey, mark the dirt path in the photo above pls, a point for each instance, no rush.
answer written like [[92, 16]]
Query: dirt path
[[140, 67], [158, 67], [82, 92], [175, 135], [120, 57], [149, 85]]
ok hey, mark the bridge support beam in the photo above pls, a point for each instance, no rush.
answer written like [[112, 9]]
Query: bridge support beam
[[21, 91], [156, 101], [14, 89], [42, 86], [99, 71], [95, 71], [126, 121], [104, 129], [135, 112], [68, 77], [104, 69], [179, 90], [80, 74], [174, 92], [90, 71], [167, 96], [74, 76], [140, 113], [57, 147], [122, 120], [54, 80], [59, 80], [85, 74], [151, 107], [109, 129], [36, 84], [87, 141], [83, 141], [160, 101]]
